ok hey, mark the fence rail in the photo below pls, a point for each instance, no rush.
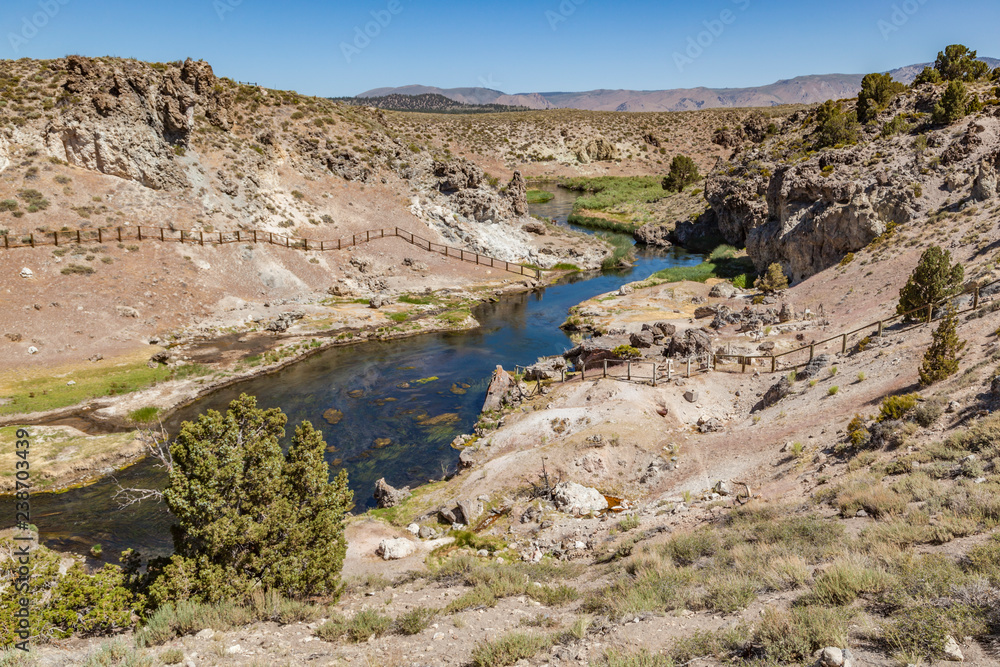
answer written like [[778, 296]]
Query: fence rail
[[186, 236]]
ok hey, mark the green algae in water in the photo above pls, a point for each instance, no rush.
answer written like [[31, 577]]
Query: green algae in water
[[333, 416], [433, 378]]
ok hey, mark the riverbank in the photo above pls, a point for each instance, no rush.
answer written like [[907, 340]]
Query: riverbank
[[220, 359]]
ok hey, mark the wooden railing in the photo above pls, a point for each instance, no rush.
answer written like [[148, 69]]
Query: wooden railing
[[186, 236]]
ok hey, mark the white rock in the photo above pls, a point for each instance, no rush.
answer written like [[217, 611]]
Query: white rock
[[32, 350], [235, 648], [71, 383], [27, 273], [207, 633], [952, 651], [413, 529], [570, 496], [831, 657], [395, 549]]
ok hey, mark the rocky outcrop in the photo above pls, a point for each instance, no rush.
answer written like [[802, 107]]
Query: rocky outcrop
[[546, 368], [654, 235], [984, 187], [597, 150], [473, 197], [593, 349], [571, 497], [694, 342], [395, 549], [805, 217], [388, 496], [130, 117], [503, 391]]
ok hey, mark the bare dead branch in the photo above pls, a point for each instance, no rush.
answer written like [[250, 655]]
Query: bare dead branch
[[157, 446]]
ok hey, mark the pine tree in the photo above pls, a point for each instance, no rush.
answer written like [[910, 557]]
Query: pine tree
[[877, 92], [773, 280], [959, 63], [683, 172], [929, 75], [249, 516], [954, 104], [934, 279], [941, 358]]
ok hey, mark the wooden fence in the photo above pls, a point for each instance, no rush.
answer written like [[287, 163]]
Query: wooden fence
[[185, 236], [658, 371]]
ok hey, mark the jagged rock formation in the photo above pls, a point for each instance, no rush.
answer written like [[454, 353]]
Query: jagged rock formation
[[807, 213], [597, 150], [126, 120]]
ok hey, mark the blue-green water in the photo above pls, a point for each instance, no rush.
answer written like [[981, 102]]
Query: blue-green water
[[393, 426]]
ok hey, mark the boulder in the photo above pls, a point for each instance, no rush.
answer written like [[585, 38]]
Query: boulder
[[571, 497], [952, 651], [126, 311], [787, 313], [723, 291], [702, 312], [694, 342], [778, 391], [503, 391], [447, 516], [813, 368], [723, 488], [691, 396], [597, 150], [470, 509], [546, 368], [984, 187], [766, 346], [654, 235], [387, 496], [642, 340], [593, 349], [831, 656], [667, 328], [395, 549], [378, 301]]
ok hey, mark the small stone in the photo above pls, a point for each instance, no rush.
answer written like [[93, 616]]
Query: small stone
[[71, 383], [482, 553], [27, 273], [691, 396], [235, 648], [413, 529], [207, 633], [861, 513], [32, 350], [438, 636]]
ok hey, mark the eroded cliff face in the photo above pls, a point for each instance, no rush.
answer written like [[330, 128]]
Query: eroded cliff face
[[808, 214], [130, 119]]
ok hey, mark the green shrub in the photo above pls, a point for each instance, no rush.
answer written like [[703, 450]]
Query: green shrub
[[626, 352], [8, 205], [959, 63], [143, 415], [793, 636], [877, 92], [226, 470], [77, 269], [772, 281], [117, 653], [172, 656], [896, 407], [683, 172], [954, 104], [364, 625], [834, 125], [941, 358], [416, 620], [509, 649], [34, 199], [922, 630]]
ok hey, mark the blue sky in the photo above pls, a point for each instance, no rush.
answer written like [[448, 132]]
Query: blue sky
[[516, 46]]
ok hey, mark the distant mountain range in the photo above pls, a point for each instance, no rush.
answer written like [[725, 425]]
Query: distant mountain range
[[424, 103], [800, 90]]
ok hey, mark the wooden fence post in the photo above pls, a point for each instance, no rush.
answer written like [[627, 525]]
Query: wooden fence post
[[880, 325], [930, 313], [140, 233], [120, 234], [605, 368], [583, 371], [843, 345], [55, 237], [975, 298], [99, 236], [774, 363], [654, 373], [201, 238], [31, 238], [630, 371], [689, 367], [812, 351], [743, 361], [255, 236]]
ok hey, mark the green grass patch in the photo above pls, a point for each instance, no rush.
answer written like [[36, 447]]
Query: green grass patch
[[566, 266], [539, 196], [609, 191], [722, 262], [37, 394], [622, 254], [509, 649], [603, 224], [144, 415]]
